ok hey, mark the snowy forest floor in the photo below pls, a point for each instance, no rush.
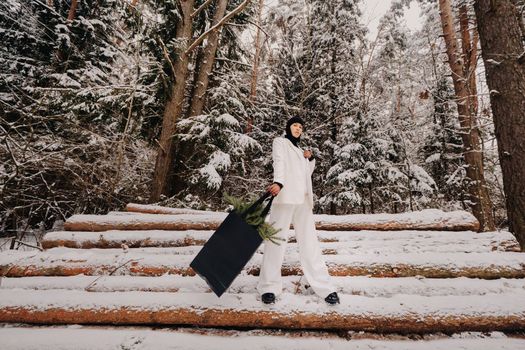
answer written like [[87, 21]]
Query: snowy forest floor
[[20, 337], [405, 289]]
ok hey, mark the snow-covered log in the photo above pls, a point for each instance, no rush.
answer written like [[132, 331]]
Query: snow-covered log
[[143, 222], [352, 285], [403, 241], [157, 209], [68, 262], [132, 239], [429, 219], [399, 313]]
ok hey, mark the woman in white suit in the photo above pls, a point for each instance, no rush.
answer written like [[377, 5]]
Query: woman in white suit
[[293, 203]]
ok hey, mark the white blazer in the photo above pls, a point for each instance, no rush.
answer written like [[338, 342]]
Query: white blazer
[[293, 171]]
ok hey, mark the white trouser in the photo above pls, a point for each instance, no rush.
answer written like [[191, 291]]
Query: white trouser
[[312, 261]]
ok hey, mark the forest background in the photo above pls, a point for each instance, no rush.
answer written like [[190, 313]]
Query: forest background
[[174, 102]]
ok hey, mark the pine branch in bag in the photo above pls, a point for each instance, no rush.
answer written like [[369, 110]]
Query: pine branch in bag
[[268, 232], [255, 219]]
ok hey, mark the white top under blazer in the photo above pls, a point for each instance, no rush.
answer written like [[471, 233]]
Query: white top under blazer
[[293, 171]]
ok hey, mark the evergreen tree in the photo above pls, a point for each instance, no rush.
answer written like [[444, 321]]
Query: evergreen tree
[[226, 98], [375, 160], [314, 74], [220, 150], [443, 147]]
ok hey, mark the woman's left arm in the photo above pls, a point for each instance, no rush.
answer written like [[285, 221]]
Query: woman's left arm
[[311, 164], [311, 160]]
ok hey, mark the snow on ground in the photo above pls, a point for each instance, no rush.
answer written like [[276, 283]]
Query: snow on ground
[[96, 338]]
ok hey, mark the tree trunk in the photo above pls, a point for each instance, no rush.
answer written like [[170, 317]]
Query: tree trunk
[[204, 66], [174, 105], [409, 184], [255, 70], [480, 201], [503, 54], [333, 98], [208, 59], [61, 54], [72, 10], [256, 59], [399, 95], [520, 8], [372, 204], [470, 58]]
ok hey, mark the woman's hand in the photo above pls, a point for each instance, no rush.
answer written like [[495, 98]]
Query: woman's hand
[[274, 189], [307, 154]]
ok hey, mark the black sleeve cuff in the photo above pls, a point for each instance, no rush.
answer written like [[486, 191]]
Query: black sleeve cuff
[[311, 158], [280, 184]]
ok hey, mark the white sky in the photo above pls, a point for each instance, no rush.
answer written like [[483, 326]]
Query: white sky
[[374, 9]]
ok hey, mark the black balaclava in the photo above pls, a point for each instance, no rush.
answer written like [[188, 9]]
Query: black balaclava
[[289, 136]]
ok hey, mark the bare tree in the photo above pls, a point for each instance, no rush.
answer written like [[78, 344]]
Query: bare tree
[[174, 105], [256, 62], [206, 63], [463, 64], [503, 53], [72, 10]]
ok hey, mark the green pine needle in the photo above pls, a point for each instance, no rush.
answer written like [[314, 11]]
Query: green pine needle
[[265, 230]]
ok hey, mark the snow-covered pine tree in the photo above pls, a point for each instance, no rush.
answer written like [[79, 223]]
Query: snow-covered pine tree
[[355, 174], [400, 69], [220, 149], [375, 161], [442, 150], [314, 74], [230, 92], [226, 99]]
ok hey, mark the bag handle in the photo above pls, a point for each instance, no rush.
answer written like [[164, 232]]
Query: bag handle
[[267, 208], [258, 202]]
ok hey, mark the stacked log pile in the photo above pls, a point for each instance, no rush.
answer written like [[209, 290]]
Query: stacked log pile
[[419, 273]]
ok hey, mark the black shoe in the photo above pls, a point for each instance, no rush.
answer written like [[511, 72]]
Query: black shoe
[[332, 298], [268, 298]]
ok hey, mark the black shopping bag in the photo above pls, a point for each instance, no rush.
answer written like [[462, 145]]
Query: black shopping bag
[[229, 249]]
